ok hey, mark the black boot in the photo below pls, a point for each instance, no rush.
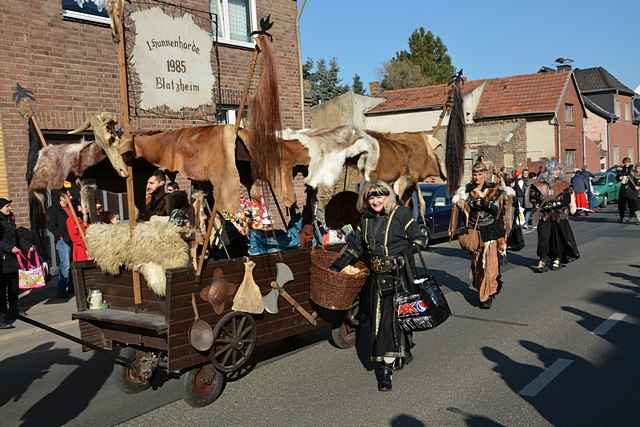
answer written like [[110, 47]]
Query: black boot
[[383, 375], [486, 304]]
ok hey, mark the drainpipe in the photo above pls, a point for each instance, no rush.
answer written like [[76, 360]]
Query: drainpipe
[[558, 146], [608, 143], [299, 15]]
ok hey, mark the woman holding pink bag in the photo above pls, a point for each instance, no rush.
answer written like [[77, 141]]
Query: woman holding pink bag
[[8, 266]]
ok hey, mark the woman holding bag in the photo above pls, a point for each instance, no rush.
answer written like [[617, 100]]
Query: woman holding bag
[[9, 266], [488, 209], [386, 235]]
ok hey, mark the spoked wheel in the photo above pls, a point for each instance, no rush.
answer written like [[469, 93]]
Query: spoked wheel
[[202, 386], [343, 336], [234, 339], [130, 379]]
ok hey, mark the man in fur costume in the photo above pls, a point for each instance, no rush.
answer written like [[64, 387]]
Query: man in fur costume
[[488, 207], [556, 242]]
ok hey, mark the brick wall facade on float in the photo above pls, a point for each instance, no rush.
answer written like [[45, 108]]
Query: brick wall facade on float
[[71, 69], [503, 142]]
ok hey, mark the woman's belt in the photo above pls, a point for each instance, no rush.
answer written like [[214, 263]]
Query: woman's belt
[[386, 264]]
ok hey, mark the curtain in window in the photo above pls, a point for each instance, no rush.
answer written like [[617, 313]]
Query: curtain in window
[[239, 20], [215, 6]]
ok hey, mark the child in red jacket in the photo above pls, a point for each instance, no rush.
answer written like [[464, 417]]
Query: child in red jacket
[[79, 251]]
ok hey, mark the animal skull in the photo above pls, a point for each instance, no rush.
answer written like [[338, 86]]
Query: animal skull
[[104, 129]]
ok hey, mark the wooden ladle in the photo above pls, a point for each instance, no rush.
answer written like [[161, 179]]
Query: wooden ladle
[[200, 334]]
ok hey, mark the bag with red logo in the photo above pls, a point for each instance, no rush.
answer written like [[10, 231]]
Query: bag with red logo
[[425, 309]]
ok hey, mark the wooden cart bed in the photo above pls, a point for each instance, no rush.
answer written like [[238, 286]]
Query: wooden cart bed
[[163, 323]]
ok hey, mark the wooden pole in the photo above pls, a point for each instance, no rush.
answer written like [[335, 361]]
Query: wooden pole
[[243, 102], [43, 142], [75, 218], [118, 22]]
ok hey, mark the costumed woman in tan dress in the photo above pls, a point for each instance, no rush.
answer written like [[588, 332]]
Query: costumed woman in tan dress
[[488, 208], [386, 239]]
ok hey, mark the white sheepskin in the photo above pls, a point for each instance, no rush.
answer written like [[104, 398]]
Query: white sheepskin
[[461, 195], [155, 246]]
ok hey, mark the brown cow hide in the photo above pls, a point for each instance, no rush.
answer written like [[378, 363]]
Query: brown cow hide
[[204, 153], [407, 154], [329, 148], [56, 162]]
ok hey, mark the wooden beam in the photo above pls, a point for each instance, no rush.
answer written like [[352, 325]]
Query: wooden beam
[[126, 125]]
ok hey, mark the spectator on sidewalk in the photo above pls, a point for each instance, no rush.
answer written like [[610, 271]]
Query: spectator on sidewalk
[[110, 217], [9, 266], [76, 231], [580, 185], [57, 225]]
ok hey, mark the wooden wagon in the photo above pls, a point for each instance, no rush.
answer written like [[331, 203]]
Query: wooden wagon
[[156, 338]]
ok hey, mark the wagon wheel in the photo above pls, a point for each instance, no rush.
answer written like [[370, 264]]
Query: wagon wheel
[[234, 338], [202, 386], [129, 379]]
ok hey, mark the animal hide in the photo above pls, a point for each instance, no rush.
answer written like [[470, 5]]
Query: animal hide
[[56, 162], [204, 153], [155, 242], [329, 148]]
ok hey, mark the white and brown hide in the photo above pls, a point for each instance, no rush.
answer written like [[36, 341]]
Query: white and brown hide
[[155, 245], [381, 156], [328, 149], [56, 162]]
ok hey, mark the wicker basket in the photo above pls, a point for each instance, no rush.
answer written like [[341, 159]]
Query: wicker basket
[[330, 289]]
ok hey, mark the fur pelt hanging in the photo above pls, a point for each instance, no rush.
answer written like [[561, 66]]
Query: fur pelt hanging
[[56, 162], [154, 244], [265, 120], [454, 154]]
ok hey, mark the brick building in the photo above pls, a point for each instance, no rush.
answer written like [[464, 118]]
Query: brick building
[[70, 66], [613, 96]]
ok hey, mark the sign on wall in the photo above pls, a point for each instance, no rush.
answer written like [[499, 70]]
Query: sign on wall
[[86, 10], [172, 57]]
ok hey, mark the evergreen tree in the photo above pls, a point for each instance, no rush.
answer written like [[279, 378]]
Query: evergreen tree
[[426, 51], [357, 86], [324, 82]]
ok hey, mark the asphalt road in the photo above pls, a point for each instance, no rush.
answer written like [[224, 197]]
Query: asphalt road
[[556, 349]]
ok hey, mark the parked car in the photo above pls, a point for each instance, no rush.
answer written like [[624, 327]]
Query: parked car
[[606, 187], [438, 211]]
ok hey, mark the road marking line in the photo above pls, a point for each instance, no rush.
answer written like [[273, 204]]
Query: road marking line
[[542, 380], [609, 323], [34, 330]]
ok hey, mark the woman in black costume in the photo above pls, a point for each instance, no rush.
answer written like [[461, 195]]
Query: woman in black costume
[[556, 242], [386, 240]]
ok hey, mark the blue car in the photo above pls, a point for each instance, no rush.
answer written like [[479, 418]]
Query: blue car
[[438, 211]]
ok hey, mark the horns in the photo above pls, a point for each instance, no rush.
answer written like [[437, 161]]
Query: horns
[[103, 117], [86, 125]]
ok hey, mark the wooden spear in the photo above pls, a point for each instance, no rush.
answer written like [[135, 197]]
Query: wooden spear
[[243, 101], [117, 18]]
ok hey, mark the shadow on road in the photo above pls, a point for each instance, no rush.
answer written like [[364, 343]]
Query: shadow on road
[[452, 282], [576, 396], [406, 421], [38, 360], [73, 394], [449, 252], [472, 420]]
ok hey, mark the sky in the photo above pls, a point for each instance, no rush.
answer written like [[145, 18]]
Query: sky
[[491, 38]]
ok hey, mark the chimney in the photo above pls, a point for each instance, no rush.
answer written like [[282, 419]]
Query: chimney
[[564, 67], [374, 88]]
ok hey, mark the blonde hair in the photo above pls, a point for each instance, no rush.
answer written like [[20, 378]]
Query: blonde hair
[[376, 188]]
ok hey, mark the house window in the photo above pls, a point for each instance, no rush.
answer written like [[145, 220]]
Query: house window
[[570, 159], [616, 108], [236, 20], [627, 112], [616, 155], [630, 153], [568, 113]]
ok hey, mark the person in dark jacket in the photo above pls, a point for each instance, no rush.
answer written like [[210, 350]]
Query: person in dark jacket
[[628, 196], [155, 201], [386, 239], [9, 266], [57, 225]]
